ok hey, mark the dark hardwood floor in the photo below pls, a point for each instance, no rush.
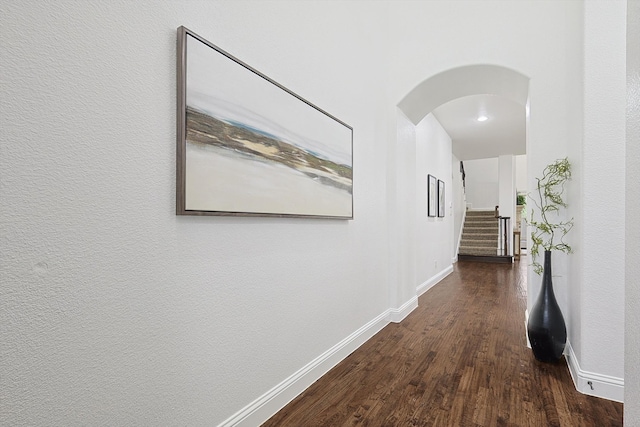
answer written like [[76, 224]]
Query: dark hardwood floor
[[459, 359]]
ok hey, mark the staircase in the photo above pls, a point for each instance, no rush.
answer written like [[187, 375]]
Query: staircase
[[480, 238]]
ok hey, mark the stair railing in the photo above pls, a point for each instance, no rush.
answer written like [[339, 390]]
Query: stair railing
[[504, 233]]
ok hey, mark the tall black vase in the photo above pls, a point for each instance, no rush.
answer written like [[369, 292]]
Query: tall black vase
[[546, 328]]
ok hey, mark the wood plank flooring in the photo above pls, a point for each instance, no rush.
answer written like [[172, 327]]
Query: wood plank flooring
[[459, 359]]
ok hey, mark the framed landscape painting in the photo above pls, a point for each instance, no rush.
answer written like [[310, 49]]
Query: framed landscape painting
[[432, 196], [248, 146]]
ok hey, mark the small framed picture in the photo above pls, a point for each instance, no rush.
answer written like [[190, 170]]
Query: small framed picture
[[432, 196], [441, 207]]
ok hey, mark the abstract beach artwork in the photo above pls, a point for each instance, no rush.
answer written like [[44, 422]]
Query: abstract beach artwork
[[248, 146]]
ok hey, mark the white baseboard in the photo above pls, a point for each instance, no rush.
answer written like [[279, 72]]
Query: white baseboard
[[590, 383], [261, 409], [593, 384], [397, 315], [424, 287]]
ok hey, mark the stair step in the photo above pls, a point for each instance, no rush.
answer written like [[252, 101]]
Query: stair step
[[477, 251], [481, 224], [486, 258], [480, 230], [481, 218], [480, 236], [479, 243], [481, 213]]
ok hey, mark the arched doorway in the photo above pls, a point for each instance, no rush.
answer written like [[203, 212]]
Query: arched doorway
[[439, 89], [464, 81]]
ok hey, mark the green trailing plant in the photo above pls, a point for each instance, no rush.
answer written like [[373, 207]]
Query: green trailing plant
[[521, 200], [546, 234]]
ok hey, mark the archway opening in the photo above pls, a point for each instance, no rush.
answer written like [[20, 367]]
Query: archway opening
[[473, 83]]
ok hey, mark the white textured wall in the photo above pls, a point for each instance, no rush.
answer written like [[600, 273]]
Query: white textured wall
[[632, 226], [521, 173], [433, 157], [603, 177], [574, 89], [115, 311], [402, 214], [483, 187]]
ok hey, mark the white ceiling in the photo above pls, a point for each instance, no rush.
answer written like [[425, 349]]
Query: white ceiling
[[502, 133]]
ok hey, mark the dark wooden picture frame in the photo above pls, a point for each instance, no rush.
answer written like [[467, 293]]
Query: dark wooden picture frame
[[248, 146]]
